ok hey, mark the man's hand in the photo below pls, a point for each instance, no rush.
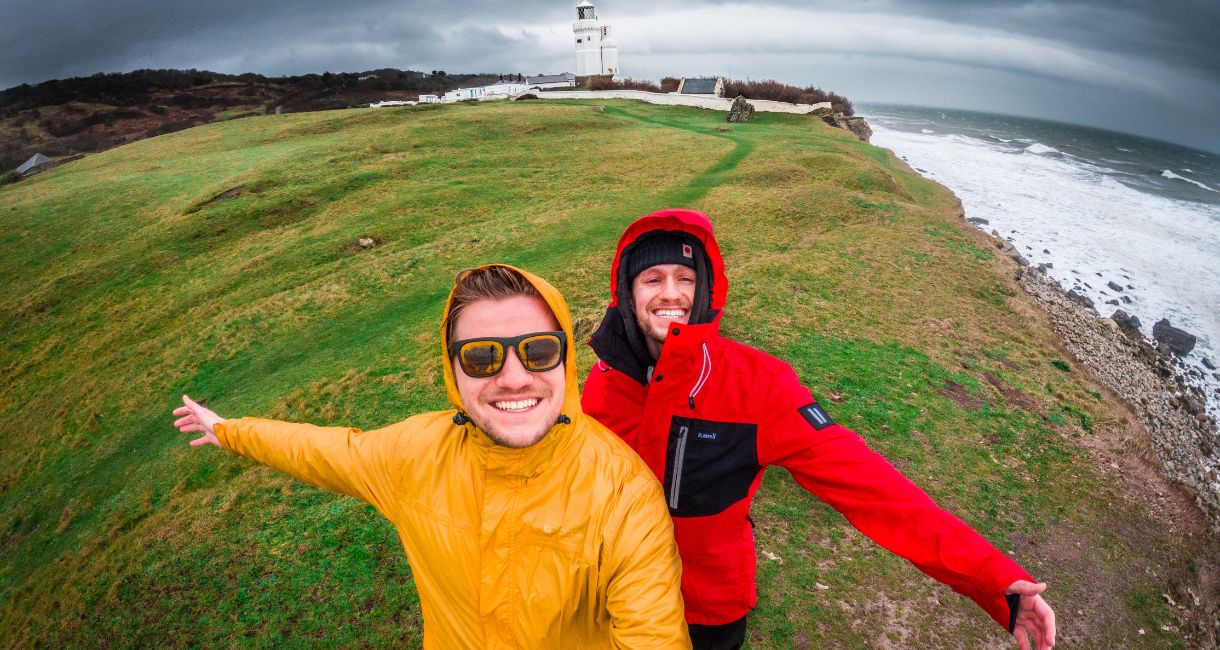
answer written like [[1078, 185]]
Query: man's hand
[[1034, 616], [197, 418]]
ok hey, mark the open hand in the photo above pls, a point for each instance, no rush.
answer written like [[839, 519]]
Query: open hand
[[1034, 617], [197, 418]]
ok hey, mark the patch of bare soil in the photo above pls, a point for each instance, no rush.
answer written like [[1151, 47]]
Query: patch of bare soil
[[231, 193], [960, 396], [1121, 452], [1012, 396]]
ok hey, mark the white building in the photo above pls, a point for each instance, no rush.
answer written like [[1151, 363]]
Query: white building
[[429, 99], [498, 90], [596, 50]]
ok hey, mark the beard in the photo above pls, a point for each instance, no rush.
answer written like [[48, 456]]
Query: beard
[[516, 441]]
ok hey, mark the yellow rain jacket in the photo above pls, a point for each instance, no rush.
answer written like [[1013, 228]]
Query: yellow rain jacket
[[565, 544]]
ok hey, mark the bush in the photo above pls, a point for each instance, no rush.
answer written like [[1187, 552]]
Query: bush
[[10, 176], [670, 84], [606, 83], [781, 92]]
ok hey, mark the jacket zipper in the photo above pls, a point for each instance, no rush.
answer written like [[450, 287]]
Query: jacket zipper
[[705, 373], [675, 481]]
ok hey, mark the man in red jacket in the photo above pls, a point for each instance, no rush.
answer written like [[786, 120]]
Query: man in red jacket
[[708, 414]]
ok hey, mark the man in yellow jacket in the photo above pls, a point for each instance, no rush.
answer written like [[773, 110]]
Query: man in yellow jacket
[[526, 523]]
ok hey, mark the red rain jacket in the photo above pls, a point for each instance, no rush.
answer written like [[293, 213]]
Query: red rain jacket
[[717, 413]]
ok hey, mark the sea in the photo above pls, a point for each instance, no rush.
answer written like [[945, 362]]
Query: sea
[[1098, 206]]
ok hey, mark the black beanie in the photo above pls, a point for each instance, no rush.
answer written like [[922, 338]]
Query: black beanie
[[660, 247]]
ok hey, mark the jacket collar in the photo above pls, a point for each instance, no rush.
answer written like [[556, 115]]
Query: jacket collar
[[528, 462]]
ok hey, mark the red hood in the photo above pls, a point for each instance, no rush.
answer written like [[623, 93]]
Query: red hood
[[688, 221]]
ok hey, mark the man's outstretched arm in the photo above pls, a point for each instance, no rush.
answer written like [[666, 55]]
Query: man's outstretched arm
[[836, 465], [338, 459]]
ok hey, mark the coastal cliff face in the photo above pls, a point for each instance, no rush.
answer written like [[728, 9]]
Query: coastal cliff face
[[1184, 439], [857, 125]]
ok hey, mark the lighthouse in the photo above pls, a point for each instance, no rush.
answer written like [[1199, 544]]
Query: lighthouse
[[596, 49]]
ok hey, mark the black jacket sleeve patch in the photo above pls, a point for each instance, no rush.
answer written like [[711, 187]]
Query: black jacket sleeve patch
[[815, 416]]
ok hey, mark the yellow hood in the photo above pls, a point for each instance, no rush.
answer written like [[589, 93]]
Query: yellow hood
[[571, 397]]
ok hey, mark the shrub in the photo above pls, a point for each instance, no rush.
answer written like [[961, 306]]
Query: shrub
[[605, 83], [782, 92], [10, 176]]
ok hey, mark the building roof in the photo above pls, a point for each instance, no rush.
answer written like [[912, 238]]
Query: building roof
[[585, 3], [35, 160], [699, 86], [550, 78]]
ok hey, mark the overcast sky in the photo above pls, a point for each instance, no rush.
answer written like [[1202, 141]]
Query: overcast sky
[[1151, 68]]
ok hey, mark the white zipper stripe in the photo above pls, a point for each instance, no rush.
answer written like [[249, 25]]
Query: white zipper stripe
[[675, 483], [705, 373]]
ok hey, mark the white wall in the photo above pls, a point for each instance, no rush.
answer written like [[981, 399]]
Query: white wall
[[714, 103]]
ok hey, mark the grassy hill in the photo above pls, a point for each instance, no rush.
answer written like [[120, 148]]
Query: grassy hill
[[221, 261]]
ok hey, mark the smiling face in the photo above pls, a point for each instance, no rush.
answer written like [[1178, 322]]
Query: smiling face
[[662, 295], [514, 407]]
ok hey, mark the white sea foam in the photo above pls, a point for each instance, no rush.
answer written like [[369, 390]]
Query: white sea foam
[[1169, 174], [1040, 148], [1093, 228], [927, 131]]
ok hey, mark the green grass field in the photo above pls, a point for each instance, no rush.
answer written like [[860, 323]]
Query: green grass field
[[127, 283]]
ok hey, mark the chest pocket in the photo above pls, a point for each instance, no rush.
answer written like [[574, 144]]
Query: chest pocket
[[709, 465]]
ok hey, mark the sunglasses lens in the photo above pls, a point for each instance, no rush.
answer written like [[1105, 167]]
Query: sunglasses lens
[[542, 352], [481, 358]]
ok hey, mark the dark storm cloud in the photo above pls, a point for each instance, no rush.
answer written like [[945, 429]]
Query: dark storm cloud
[[80, 37], [1179, 32]]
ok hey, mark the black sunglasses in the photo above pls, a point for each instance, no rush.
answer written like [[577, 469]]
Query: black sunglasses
[[484, 357]]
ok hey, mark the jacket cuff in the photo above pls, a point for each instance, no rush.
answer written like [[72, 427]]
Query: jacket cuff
[[1014, 605], [221, 429]]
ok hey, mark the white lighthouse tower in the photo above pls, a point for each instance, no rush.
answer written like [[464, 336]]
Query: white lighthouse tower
[[596, 50]]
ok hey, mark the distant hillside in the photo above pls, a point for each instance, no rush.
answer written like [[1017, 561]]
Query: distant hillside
[[223, 261], [89, 114]]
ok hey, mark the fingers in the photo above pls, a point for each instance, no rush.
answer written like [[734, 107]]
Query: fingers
[[181, 410], [1048, 624], [1019, 633], [192, 428], [1026, 588], [200, 441], [184, 420]]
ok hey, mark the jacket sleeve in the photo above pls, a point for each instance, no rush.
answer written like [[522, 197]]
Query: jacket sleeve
[[338, 459], [644, 594], [836, 465]]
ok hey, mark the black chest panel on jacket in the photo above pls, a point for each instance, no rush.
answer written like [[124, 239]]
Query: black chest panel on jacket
[[709, 465]]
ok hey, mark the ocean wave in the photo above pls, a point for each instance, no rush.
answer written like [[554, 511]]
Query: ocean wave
[[1039, 148], [1065, 211], [926, 131], [1168, 174]]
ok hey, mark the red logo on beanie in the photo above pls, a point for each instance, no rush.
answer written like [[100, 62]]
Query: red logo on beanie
[[687, 252]]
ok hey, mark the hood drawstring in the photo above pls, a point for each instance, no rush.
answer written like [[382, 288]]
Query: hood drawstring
[[460, 418], [563, 419], [705, 372]]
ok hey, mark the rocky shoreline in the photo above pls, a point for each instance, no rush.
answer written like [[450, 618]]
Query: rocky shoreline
[[1183, 437]]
